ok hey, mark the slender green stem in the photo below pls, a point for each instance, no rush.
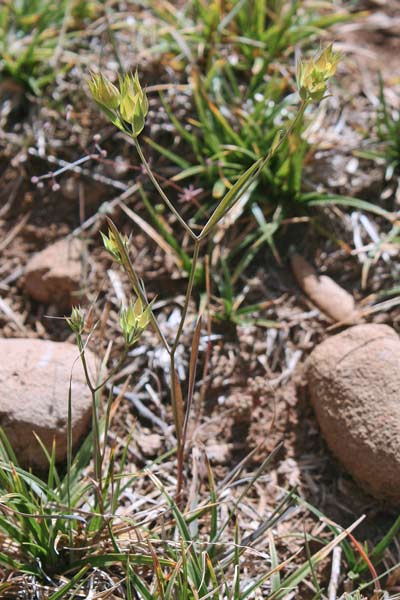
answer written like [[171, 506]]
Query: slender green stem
[[188, 295], [112, 372], [137, 288], [210, 225], [69, 467], [175, 401], [95, 418], [161, 191], [81, 348], [96, 445], [178, 410]]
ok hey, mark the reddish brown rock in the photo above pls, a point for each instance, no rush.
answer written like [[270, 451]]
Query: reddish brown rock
[[354, 384], [53, 276], [325, 293], [34, 383]]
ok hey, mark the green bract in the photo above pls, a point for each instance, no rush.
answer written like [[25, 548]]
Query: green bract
[[111, 245], [103, 91]]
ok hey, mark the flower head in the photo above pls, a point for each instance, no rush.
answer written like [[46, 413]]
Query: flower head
[[133, 320], [126, 106], [76, 320], [313, 74], [133, 105]]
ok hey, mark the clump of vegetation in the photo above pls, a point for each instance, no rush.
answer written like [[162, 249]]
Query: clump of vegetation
[[240, 95], [32, 33], [388, 129]]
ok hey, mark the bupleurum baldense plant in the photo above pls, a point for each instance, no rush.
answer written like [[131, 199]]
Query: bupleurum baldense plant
[[126, 106]]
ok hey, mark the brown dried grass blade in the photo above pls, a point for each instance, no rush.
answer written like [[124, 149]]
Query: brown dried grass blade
[[192, 373]]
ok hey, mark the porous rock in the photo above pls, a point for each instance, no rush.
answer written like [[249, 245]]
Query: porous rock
[[354, 384], [53, 276], [34, 384], [324, 292]]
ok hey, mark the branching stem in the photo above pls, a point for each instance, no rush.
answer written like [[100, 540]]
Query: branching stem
[[161, 191]]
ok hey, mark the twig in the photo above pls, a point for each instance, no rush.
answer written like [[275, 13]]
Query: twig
[[11, 195], [14, 231], [8, 311], [335, 573], [105, 209], [76, 168], [144, 411]]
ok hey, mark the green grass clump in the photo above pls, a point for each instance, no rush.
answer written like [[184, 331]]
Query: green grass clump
[[388, 130], [239, 57], [33, 34], [233, 126], [254, 34], [58, 535]]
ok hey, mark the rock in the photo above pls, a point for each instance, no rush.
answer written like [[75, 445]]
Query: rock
[[218, 452], [354, 384], [53, 276], [34, 383], [325, 293], [150, 444]]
